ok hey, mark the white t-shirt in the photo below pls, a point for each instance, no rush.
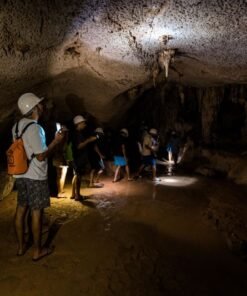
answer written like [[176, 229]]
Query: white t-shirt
[[34, 143]]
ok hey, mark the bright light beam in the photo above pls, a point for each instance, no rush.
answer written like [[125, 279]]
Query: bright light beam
[[177, 181]]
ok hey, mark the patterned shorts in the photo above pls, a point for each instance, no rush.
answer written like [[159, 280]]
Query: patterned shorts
[[33, 193]]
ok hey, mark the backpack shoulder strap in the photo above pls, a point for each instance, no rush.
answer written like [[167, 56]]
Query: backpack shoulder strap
[[17, 130], [26, 127]]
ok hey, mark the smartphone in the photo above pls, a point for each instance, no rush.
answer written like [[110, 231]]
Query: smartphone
[[58, 126]]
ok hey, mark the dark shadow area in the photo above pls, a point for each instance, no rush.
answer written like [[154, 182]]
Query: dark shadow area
[[53, 230], [230, 122], [75, 104]]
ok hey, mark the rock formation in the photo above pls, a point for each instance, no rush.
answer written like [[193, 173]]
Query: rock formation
[[97, 50]]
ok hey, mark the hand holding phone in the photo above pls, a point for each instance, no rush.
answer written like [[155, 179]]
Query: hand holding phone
[[58, 126]]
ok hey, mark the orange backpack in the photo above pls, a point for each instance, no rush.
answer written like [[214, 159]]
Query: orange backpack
[[17, 161]]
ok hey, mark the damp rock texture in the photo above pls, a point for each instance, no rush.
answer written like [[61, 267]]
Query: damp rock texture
[[85, 54], [214, 117], [228, 215]]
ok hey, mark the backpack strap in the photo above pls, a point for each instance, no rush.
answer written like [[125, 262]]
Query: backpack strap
[[17, 130], [25, 128], [17, 136]]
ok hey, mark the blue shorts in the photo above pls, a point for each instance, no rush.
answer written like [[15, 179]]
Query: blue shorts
[[149, 160], [119, 161]]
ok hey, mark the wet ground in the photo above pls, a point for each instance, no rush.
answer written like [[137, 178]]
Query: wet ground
[[129, 238]]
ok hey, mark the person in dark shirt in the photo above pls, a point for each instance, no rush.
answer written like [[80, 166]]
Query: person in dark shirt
[[120, 157], [59, 161], [79, 142], [48, 122], [95, 156]]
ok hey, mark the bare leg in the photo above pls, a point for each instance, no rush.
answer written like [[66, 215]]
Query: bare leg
[[140, 170], [154, 171], [36, 229], [116, 173], [64, 169], [78, 186], [38, 252], [128, 172], [98, 176], [59, 174], [73, 186], [19, 228], [91, 178]]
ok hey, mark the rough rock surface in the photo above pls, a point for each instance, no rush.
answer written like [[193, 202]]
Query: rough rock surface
[[86, 53], [227, 212], [231, 165]]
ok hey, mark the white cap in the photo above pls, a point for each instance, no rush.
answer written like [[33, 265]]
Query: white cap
[[27, 102], [99, 130], [78, 119], [153, 131], [124, 131]]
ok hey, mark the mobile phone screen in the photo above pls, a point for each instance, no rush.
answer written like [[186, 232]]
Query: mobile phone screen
[[58, 126]]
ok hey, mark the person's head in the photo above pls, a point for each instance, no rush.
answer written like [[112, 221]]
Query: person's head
[[124, 132], [174, 134], [30, 105], [153, 132], [99, 131], [79, 122]]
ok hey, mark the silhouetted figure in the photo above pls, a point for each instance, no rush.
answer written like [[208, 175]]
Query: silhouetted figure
[[149, 150], [120, 155], [95, 154], [60, 163], [80, 154]]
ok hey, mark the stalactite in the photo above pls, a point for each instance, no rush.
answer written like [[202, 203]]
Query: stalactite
[[164, 59]]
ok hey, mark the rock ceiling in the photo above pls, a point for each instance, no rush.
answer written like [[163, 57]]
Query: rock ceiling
[[85, 54]]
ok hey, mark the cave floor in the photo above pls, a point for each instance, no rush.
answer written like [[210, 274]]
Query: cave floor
[[129, 238]]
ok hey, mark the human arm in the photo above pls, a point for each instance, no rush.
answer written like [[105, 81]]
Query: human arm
[[124, 152], [42, 156], [96, 148], [86, 142]]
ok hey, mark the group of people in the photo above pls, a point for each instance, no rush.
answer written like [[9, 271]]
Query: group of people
[[76, 147], [89, 152]]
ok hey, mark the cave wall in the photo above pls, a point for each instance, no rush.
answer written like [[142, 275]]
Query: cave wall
[[100, 56], [214, 116], [98, 50]]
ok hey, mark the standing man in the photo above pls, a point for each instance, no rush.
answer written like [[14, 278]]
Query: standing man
[[95, 156], [149, 149], [80, 154], [32, 186], [120, 155]]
